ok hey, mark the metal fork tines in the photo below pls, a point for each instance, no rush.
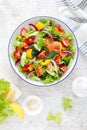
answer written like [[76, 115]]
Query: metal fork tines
[[61, 3], [79, 20], [83, 48], [83, 4]]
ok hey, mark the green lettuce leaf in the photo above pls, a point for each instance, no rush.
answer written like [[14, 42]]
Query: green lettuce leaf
[[56, 118], [66, 103]]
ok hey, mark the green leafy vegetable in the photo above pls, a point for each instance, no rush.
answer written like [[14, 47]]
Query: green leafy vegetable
[[69, 36], [47, 78], [66, 103], [67, 59], [51, 54], [4, 86], [5, 109], [18, 41], [40, 43], [56, 118]]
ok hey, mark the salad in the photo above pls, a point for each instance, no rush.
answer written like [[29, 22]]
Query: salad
[[43, 51]]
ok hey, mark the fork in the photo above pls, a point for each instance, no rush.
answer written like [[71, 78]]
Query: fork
[[61, 3], [83, 4], [78, 19], [83, 49]]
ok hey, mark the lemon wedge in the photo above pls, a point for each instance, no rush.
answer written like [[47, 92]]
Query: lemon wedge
[[17, 109], [10, 95]]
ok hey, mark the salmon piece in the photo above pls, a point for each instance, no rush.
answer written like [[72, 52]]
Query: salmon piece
[[63, 54], [38, 71]]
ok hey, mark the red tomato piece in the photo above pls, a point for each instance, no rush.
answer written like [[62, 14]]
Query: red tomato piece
[[63, 67], [30, 40], [59, 29], [57, 60], [17, 54], [42, 54], [65, 42], [38, 71], [23, 32], [25, 68]]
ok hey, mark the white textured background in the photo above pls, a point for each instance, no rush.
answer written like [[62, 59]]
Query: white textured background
[[11, 14]]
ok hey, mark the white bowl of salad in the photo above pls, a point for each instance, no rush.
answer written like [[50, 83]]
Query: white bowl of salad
[[43, 51]]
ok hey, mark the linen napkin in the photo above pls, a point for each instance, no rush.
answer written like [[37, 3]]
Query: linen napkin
[[74, 8]]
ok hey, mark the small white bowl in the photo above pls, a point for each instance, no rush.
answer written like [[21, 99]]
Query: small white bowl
[[79, 86], [33, 105]]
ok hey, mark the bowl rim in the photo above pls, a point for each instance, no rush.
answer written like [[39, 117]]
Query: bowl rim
[[77, 50]]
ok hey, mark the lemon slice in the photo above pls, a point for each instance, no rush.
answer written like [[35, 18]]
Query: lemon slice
[[10, 95], [17, 109]]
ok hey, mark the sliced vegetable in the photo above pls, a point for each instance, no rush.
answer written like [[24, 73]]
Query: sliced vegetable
[[49, 34], [23, 32], [63, 67], [33, 26], [17, 54], [55, 65], [29, 53], [42, 54], [30, 41], [45, 63], [23, 57], [39, 26], [29, 74], [66, 42], [57, 59]]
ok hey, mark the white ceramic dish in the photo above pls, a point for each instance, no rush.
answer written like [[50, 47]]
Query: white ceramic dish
[[25, 24], [79, 86], [33, 105]]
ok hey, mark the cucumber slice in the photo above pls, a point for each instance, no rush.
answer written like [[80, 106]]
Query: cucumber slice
[[36, 47], [23, 57], [51, 73]]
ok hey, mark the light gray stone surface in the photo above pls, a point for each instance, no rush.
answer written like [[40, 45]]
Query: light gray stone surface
[[12, 12]]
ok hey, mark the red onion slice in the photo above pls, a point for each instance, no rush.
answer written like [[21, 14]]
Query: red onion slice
[[46, 31], [27, 47], [33, 26], [30, 63], [17, 61], [68, 52], [55, 65], [50, 67], [28, 75]]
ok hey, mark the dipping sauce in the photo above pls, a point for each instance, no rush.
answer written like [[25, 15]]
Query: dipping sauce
[[33, 105]]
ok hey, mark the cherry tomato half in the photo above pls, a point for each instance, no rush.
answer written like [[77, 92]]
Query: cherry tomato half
[[17, 54], [30, 40], [25, 68], [23, 32], [63, 67], [57, 60], [65, 42], [59, 28], [42, 54]]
